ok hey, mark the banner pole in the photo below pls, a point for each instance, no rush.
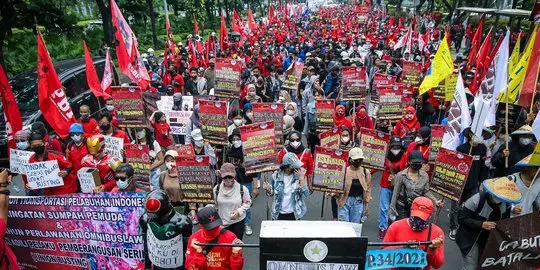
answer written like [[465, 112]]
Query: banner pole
[[322, 205], [506, 128]]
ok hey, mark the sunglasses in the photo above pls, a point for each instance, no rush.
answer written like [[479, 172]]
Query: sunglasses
[[16, 141], [228, 177], [294, 140]]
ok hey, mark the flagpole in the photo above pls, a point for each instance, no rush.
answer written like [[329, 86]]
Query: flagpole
[[506, 128]]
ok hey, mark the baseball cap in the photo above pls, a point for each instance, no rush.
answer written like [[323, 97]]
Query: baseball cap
[[422, 207], [196, 135], [171, 153], [76, 128], [292, 160], [424, 132], [209, 218], [227, 169], [416, 157], [356, 153]]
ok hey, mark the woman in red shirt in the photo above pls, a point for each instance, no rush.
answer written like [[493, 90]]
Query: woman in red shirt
[[303, 154], [340, 119], [362, 119], [409, 123], [162, 130]]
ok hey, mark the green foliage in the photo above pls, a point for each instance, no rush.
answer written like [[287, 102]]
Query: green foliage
[[196, 8]]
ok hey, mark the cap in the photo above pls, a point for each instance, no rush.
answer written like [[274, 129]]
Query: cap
[[395, 141], [236, 132], [155, 77], [196, 135], [424, 132], [171, 153], [415, 157], [523, 130], [209, 218], [292, 160], [76, 128], [311, 68], [503, 189], [422, 208], [227, 169], [356, 153]]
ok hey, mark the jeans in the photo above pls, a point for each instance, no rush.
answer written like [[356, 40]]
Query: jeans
[[385, 196], [154, 178], [249, 186], [352, 210], [470, 261], [454, 211]]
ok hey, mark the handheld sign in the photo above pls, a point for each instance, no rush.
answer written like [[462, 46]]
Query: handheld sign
[[195, 179], [354, 83], [43, 174], [393, 101], [437, 133], [114, 147], [450, 173], [292, 76], [325, 114], [329, 173], [259, 147], [89, 179], [138, 156], [165, 254], [374, 144], [394, 258], [263, 112], [178, 121], [130, 111], [227, 78], [330, 138], [213, 115], [412, 71], [17, 160]]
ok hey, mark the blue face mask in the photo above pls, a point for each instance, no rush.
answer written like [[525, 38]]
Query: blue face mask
[[122, 184], [109, 107], [23, 145]]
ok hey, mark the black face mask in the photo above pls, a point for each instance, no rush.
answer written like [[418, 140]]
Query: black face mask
[[105, 127], [40, 149], [356, 163], [416, 166]]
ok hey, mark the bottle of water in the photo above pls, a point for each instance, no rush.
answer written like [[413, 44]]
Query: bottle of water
[[363, 219]]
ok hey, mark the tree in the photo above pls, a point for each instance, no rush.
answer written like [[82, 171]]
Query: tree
[[196, 8], [153, 22], [106, 19]]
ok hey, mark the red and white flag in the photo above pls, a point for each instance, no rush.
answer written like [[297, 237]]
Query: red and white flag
[[12, 115], [223, 35], [91, 75], [107, 78], [53, 102], [459, 117]]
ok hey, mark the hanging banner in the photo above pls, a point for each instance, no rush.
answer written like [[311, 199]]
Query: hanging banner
[[437, 133], [263, 112], [129, 106], [227, 78], [114, 146], [450, 173], [513, 113], [214, 122], [375, 146], [330, 138], [17, 160], [292, 77], [77, 231], [43, 174], [354, 83], [195, 179], [329, 173], [325, 114], [412, 72], [392, 102], [259, 146], [178, 121], [138, 156], [513, 244]]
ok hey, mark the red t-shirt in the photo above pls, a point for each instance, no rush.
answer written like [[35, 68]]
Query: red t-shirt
[[90, 127], [10, 258], [69, 186], [304, 156], [75, 154], [219, 258], [178, 79], [162, 133], [104, 169], [52, 144], [397, 167]]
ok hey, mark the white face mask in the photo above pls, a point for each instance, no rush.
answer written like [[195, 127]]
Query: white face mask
[[290, 112], [237, 143], [170, 165], [295, 144], [525, 141], [109, 107], [477, 140], [395, 152], [418, 140], [281, 98], [199, 143], [345, 139], [76, 138], [237, 122], [141, 134]]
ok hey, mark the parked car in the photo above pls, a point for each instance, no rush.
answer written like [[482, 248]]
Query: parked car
[[72, 74]]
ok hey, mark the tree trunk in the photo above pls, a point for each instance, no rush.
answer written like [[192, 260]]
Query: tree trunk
[[153, 23], [6, 22], [105, 12], [226, 4], [261, 8]]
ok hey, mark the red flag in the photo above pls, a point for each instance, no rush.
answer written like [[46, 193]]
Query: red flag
[[129, 60], [12, 115], [223, 34], [195, 26], [475, 44], [271, 14], [251, 22], [91, 75], [107, 78], [191, 47], [482, 63], [531, 76], [53, 102], [237, 24]]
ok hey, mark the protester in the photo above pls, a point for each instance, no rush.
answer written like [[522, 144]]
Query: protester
[[76, 148], [107, 129], [291, 109], [203, 148], [9, 260], [103, 162], [89, 124], [162, 130], [529, 186], [193, 123], [21, 139], [288, 126], [296, 147], [519, 147], [345, 140], [407, 124], [340, 119], [124, 179], [155, 153], [110, 108], [421, 143], [362, 119], [51, 143], [237, 119]]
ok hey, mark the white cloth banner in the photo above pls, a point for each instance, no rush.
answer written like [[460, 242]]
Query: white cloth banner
[[459, 117]]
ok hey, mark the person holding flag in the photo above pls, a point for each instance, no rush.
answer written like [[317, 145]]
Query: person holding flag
[[519, 147]]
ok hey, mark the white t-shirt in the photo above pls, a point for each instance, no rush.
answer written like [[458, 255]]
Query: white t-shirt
[[287, 203], [532, 196]]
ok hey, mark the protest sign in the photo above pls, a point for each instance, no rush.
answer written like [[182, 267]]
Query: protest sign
[[88, 179], [43, 174], [330, 138], [325, 114], [450, 86], [214, 122], [130, 111], [263, 112], [178, 121], [292, 77], [187, 103], [77, 231], [195, 179], [513, 244], [381, 79], [17, 160], [165, 104], [437, 133], [513, 113], [165, 253], [114, 146], [227, 78], [412, 71], [450, 173], [395, 258], [259, 147], [185, 150], [138, 156], [329, 173], [354, 83], [374, 144], [392, 102]]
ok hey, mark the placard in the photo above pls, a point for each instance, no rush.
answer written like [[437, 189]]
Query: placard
[[437, 133], [178, 121], [130, 109], [185, 150], [17, 160], [395, 258], [450, 173], [292, 77], [88, 179], [114, 147], [165, 254], [77, 231], [43, 174], [227, 78], [354, 83], [325, 114], [513, 244], [450, 86], [259, 147], [330, 138], [138, 156], [195, 179], [381, 79], [214, 122], [374, 144], [263, 112], [412, 71], [392, 102], [329, 173], [149, 100]]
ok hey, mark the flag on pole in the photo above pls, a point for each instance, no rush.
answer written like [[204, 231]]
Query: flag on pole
[[482, 63], [271, 14], [536, 127], [483, 100], [237, 24], [251, 22], [91, 75], [514, 57], [223, 34], [107, 78], [459, 117], [170, 52], [531, 75], [12, 115], [195, 26], [53, 102], [475, 44], [441, 67], [500, 83]]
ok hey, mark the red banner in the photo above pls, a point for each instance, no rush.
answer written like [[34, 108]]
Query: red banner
[[393, 101], [354, 83], [138, 156], [293, 76], [129, 106], [263, 112], [437, 133], [375, 146], [329, 173], [227, 78], [91, 75], [330, 138], [259, 146], [381, 79], [325, 114], [195, 179], [412, 71], [12, 115], [185, 150], [213, 115], [450, 173]]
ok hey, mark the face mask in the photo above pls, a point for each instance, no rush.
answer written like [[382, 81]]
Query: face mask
[[237, 143], [477, 140], [418, 140], [105, 127], [76, 138], [395, 152], [345, 139], [122, 184], [356, 163], [199, 143], [39, 149], [85, 117], [525, 141], [251, 94], [409, 116], [418, 224], [290, 112], [170, 165], [22, 145], [249, 115], [362, 114], [416, 166], [237, 122], [109, 107], [141, 134]]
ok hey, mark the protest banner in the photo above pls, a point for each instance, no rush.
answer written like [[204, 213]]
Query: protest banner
[[292, 77], [437, 133], [381, 79], [450, 173], [214, 122], [354, 83], [114, 147], [412, 71], [450, 87], [375, 145], [395, 258], [129, 106], [513, 244], [138, 156], [439, 91], [43, 174], [392, 102], [17, 160], [77, 231], [227, 78], [88, 179], [513, 113], [330, 138], [165, 104], [329, 172], [185, 150], [195, 179], [259, 147], [263, 112], [325, 114], [165, 253], [178, 121]]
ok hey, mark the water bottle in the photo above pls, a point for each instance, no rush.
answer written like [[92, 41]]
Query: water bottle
[[363, 219]]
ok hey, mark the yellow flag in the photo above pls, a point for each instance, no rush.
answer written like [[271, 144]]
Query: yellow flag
[[514, 57], [515, 82], [440, 68]]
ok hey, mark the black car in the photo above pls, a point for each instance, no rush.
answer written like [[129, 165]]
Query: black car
[[72, 74]]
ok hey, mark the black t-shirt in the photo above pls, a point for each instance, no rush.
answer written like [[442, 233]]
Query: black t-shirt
[[236, 157], [478, 171], [356, 189]]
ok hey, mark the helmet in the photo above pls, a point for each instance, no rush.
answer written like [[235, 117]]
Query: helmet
[[201, 69], [95, 144], [157, 204], [76, 128], [150, 51]]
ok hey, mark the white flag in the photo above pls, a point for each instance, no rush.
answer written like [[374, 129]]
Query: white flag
[[402, 41], [536, 127], [500, 62], [459, 117]]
